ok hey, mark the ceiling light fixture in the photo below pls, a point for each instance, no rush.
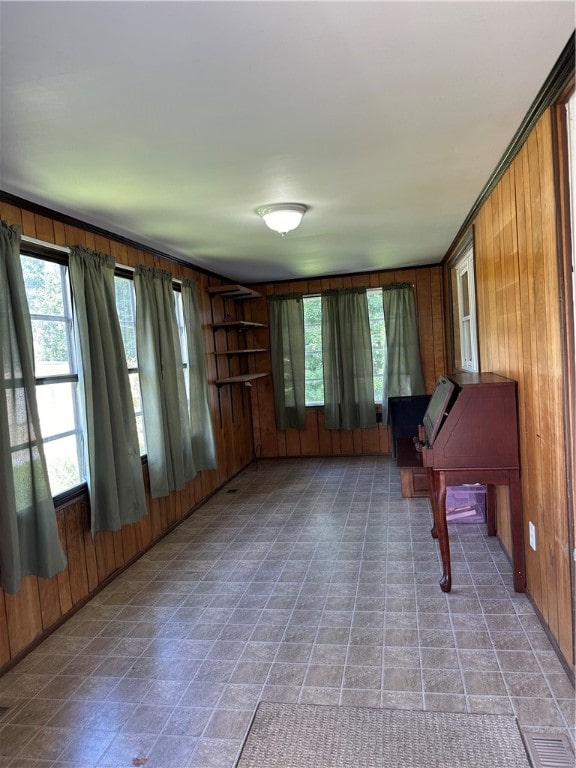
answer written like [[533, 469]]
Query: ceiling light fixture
[[282, 217]]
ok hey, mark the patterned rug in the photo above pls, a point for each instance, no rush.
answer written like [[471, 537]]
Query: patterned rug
[[321, 736]]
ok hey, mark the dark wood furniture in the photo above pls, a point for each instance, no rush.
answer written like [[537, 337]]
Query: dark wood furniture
[[405, 413], [413, 476], [476, 441]]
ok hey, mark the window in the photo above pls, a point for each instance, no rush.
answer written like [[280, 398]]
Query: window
[[126, 308], [57, 389], [183, 338], [464, 318], [314, 382], [48, 293], [313, 368], [378, 337]]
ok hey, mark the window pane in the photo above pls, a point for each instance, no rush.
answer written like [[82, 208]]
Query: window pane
[[51, 347], [183, 340], [378, 337], [314, 392], [137, 400], [141, 434], [464, 311], [464, 294], [125, 305], [181, 325], [56, 405], [43, 280], [314, 382], [466, 342], [48, 293], [129, 338], [62, 460], [313, 345]]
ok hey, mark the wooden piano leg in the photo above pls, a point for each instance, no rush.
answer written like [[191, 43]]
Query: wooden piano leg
[[437, 482]]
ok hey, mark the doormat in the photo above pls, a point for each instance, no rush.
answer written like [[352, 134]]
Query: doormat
[[323, 736]]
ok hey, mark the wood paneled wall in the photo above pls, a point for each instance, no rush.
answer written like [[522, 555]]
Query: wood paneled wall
[[43, 603], [519, 324], [518, 278], [315, 440]]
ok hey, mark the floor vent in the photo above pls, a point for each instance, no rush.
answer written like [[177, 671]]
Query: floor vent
[[550, 750], [232, 490]]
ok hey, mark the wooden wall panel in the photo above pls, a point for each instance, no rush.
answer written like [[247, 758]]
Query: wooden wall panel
[[517, 256], [51, 605], [315, 440], [23, 615], [43, 603], [4, 641]]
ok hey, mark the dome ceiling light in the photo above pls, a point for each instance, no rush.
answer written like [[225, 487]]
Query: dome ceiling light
[[282, 217]]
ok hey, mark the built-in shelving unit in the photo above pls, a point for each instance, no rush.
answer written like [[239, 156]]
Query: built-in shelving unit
[[237, 293]]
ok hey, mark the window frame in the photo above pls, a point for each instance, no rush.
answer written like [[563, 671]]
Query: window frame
[[124, 273], [182, 335], [30, 248], [465, 324], [314, 351]]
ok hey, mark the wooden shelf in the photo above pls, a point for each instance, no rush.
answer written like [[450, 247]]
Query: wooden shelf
[[237, 325], [246, 379], [234, 292], [237, 293]]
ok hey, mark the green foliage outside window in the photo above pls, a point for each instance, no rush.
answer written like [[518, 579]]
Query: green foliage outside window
[[125, 308], [313, 345], [314, 382], [50, 325]]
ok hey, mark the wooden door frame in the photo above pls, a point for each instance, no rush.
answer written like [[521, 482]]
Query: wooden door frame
[[568, 316]]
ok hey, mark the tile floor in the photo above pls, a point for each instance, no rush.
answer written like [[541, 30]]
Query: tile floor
[[314, 581]]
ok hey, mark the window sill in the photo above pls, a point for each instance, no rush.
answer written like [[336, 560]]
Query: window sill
[[68, 497]]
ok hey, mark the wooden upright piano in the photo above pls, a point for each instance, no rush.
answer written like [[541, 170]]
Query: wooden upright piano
[[470, 435]]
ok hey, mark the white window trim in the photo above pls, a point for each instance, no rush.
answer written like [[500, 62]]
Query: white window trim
[[464, 266], [78, 432]]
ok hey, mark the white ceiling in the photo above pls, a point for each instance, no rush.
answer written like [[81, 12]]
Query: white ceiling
[[171, 122]]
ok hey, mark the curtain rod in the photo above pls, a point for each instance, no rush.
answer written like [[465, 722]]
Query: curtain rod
[[43, 245]]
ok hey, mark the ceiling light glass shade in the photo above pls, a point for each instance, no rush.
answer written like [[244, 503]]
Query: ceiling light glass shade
[[282, 217]]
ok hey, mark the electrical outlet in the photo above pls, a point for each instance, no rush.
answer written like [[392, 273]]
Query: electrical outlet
[[532, 534]]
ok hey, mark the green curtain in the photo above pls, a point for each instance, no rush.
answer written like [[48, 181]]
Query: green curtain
[[403, 375], [203, 444], [287, 355], [347, 359], [164, 404], [29, 543], [115, 479]]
